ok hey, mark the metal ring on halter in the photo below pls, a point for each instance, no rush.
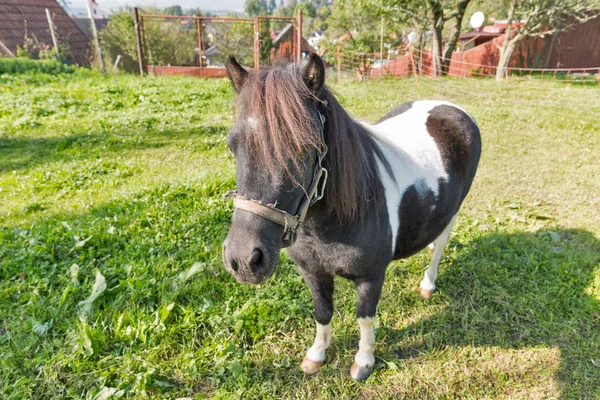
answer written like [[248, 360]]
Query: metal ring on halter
[[321, 190]]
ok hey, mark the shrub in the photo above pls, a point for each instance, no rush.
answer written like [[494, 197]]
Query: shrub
[[167, 42], [119, 39], [23, 65]]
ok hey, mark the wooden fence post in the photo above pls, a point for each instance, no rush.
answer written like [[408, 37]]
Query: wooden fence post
[[116, 65], [381, 51], [299, 54], [138, 40], [339, 66], [95, 35], [53, 33], [256, 45], [414, 67], [199, 24]]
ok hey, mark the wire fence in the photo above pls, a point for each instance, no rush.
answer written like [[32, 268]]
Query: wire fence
[[199, 46], [410, 62]]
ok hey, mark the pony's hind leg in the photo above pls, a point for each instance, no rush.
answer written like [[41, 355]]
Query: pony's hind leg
[[322, 292], [427, 285]]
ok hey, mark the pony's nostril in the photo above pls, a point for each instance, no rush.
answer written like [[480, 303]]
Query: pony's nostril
[[257, 260], [234, 265]]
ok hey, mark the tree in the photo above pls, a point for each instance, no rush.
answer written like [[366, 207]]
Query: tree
[[320, 21], [166, 43], [255, 8], [196, 12], [412, 14], [173, 10], [358, 19], [308, 9], [232, 39], [540, 18], [433, 14], [119, 39], [440, 12]]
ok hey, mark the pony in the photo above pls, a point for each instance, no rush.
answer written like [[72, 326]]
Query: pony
[[343, 196]]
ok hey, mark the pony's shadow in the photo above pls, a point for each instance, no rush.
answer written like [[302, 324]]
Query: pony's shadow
[[516, 291]]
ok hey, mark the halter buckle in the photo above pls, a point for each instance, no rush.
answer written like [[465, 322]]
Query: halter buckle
[[323, 175]]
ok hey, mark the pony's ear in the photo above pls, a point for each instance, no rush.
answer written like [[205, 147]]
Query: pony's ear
[[237, 74], [314, 74]]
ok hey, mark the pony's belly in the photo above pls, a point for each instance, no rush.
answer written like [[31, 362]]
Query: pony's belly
[[423, 214]]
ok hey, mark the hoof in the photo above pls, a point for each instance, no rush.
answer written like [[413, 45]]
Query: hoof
[[360, 373], [311, 367], [424, 293]]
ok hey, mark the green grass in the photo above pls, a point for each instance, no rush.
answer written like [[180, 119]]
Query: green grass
[[27, 65], [125, 176]]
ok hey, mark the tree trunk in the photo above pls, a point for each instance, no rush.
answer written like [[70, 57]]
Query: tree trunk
[[437, 48], [437, 25], [418, 47], [506, 53], [454, 34]]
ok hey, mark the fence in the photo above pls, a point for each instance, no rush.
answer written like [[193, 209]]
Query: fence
[[410, 62], [199, 46], [25, 29]]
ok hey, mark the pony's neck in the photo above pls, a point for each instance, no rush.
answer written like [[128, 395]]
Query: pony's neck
[[352, 162]]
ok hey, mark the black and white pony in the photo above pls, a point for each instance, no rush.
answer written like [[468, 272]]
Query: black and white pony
[[345, 197]]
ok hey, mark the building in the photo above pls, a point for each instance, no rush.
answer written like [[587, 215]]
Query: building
[[575, 49], [284, 44], [24, 25], [315, 39], [477, 53]]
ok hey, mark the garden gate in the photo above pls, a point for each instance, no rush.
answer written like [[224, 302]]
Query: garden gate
[[199, 46]]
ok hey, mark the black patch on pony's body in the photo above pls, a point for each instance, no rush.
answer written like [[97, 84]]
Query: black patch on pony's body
[[401, 109], [458, 139], [423, 215]]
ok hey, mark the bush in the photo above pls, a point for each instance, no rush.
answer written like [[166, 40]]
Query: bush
[[167, 42], [119, 39], [23, 65]]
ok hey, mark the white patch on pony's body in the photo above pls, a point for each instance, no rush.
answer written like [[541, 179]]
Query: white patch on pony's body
[[413, 155], [316, 352], [365, 358]]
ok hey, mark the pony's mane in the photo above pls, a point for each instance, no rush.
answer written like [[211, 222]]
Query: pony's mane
[[281, 131]]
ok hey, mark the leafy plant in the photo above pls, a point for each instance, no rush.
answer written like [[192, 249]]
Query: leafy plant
[[21, 65]]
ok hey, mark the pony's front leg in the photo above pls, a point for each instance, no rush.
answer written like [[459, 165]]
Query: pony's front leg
[[321, 288], [368, 297]]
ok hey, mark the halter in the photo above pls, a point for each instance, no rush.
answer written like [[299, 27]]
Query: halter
[[290, 222]]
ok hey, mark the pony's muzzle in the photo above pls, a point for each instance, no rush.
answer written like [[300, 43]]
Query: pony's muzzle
[[246, 265]]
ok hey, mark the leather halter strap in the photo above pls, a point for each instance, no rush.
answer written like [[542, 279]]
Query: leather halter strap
[[290, 222]]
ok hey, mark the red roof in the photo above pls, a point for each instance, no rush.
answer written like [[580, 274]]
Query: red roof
[[20, 18]]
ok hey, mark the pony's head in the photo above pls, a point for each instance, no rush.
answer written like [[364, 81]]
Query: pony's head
[[278, 144]]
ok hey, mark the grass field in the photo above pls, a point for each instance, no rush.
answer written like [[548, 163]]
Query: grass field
[[111, 219]]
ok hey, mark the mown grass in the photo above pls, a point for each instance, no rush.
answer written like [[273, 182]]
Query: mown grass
[[124, 176]]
